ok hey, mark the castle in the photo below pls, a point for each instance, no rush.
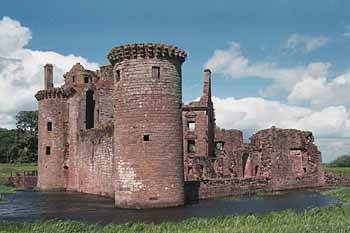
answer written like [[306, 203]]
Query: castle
[[122, 131]]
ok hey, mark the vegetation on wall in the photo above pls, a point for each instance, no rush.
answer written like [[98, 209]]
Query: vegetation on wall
[[20, 145]]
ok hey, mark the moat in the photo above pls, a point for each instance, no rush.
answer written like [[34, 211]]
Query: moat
[[29, 205]]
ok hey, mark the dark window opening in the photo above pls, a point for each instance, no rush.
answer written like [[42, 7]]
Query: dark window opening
[[90, 109], [118, 76], [86, 79], [65, 167], [191, 146], [48, 150], [304, 169], [146, 137], [191, 125], [156, 72], [73, 79], [49, 126], [219, 146], [256, 170]]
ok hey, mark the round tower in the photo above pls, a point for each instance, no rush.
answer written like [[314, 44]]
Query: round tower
[[51, 136], [148, 125]]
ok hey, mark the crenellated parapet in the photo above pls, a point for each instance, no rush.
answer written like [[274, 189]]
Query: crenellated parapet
[[50, 94], [147, 50]]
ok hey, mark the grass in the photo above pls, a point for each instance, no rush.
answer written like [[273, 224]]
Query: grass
[[322, 220], [341, 171], [7, 168], [6, 190]]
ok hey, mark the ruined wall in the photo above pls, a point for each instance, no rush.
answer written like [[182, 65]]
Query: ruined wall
[[148, 125], [104, 91], [94, 171], [52, 147], [198, 130], [289, 157]]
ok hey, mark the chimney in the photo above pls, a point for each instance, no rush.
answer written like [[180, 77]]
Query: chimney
[[48, 73], [207, 86]]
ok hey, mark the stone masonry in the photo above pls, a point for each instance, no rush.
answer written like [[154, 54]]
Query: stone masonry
[[123, 132]]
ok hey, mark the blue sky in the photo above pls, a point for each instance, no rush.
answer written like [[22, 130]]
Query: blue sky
[[255, 48]]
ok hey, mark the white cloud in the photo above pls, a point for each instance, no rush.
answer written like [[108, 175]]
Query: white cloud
[[347, 33], [21, 69], [321, 92], [332, 148], [253, 114], [232, 63], [297, 42]]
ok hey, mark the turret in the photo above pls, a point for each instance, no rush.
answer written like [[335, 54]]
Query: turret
[[148, 125], [52, 109]]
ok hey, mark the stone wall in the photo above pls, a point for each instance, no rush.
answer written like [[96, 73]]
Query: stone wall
[[205, 189], [148, 126], [94, 171], [52, 146], [23, 182]]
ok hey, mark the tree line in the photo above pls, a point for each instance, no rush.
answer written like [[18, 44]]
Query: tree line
[[20, 145]]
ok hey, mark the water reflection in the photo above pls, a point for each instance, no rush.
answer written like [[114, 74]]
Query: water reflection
[[29, 205]]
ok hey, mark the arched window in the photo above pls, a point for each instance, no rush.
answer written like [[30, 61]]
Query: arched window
[[90, 109]]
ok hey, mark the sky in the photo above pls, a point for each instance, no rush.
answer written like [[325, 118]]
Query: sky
[[274, 63]]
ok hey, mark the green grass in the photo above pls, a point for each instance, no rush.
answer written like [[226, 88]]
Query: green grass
[[6, 168], [341, 171], [7, 189], [321, 220]]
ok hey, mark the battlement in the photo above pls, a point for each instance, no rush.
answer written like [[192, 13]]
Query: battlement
[[147, 50], [51, 93]]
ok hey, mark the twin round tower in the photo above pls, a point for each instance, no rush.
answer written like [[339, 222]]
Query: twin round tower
[[116, 131]]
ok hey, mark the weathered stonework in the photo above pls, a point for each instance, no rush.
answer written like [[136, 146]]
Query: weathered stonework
[[123, 132]]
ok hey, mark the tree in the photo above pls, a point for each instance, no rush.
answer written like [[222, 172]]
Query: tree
[[27, 136], [342, 161], [27, 121]]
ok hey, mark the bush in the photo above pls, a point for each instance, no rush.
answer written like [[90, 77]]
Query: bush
[[342, 161]]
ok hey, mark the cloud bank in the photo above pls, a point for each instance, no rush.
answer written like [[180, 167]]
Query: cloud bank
[[21, 69], [314, 101]]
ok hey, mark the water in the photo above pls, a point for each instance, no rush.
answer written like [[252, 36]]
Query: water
[[29, 205]]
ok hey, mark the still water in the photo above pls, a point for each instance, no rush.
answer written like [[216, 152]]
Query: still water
[[30, 205]]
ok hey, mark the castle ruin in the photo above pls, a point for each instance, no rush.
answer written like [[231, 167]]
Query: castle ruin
[[122, 131]]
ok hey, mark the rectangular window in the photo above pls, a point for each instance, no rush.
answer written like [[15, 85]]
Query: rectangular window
[[73, 78], [48, 150], [86, 79], [156, 72], [191, 125], [146, 137], [219, 145], [117, 78], [49, 126], [191, 146]]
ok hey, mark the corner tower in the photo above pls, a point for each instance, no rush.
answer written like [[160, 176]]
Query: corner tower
[[51, 128], [148, 125]]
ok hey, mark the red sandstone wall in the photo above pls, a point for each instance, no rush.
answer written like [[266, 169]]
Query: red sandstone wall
[[148, 173], [50, 167], [95, 169]]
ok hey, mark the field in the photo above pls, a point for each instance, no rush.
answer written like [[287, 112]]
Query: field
[[330, 219], [7, 168], [341, 171]]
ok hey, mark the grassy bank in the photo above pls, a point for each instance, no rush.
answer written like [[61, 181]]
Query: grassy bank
[[7, 168], [341, 171], [330, 219]]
